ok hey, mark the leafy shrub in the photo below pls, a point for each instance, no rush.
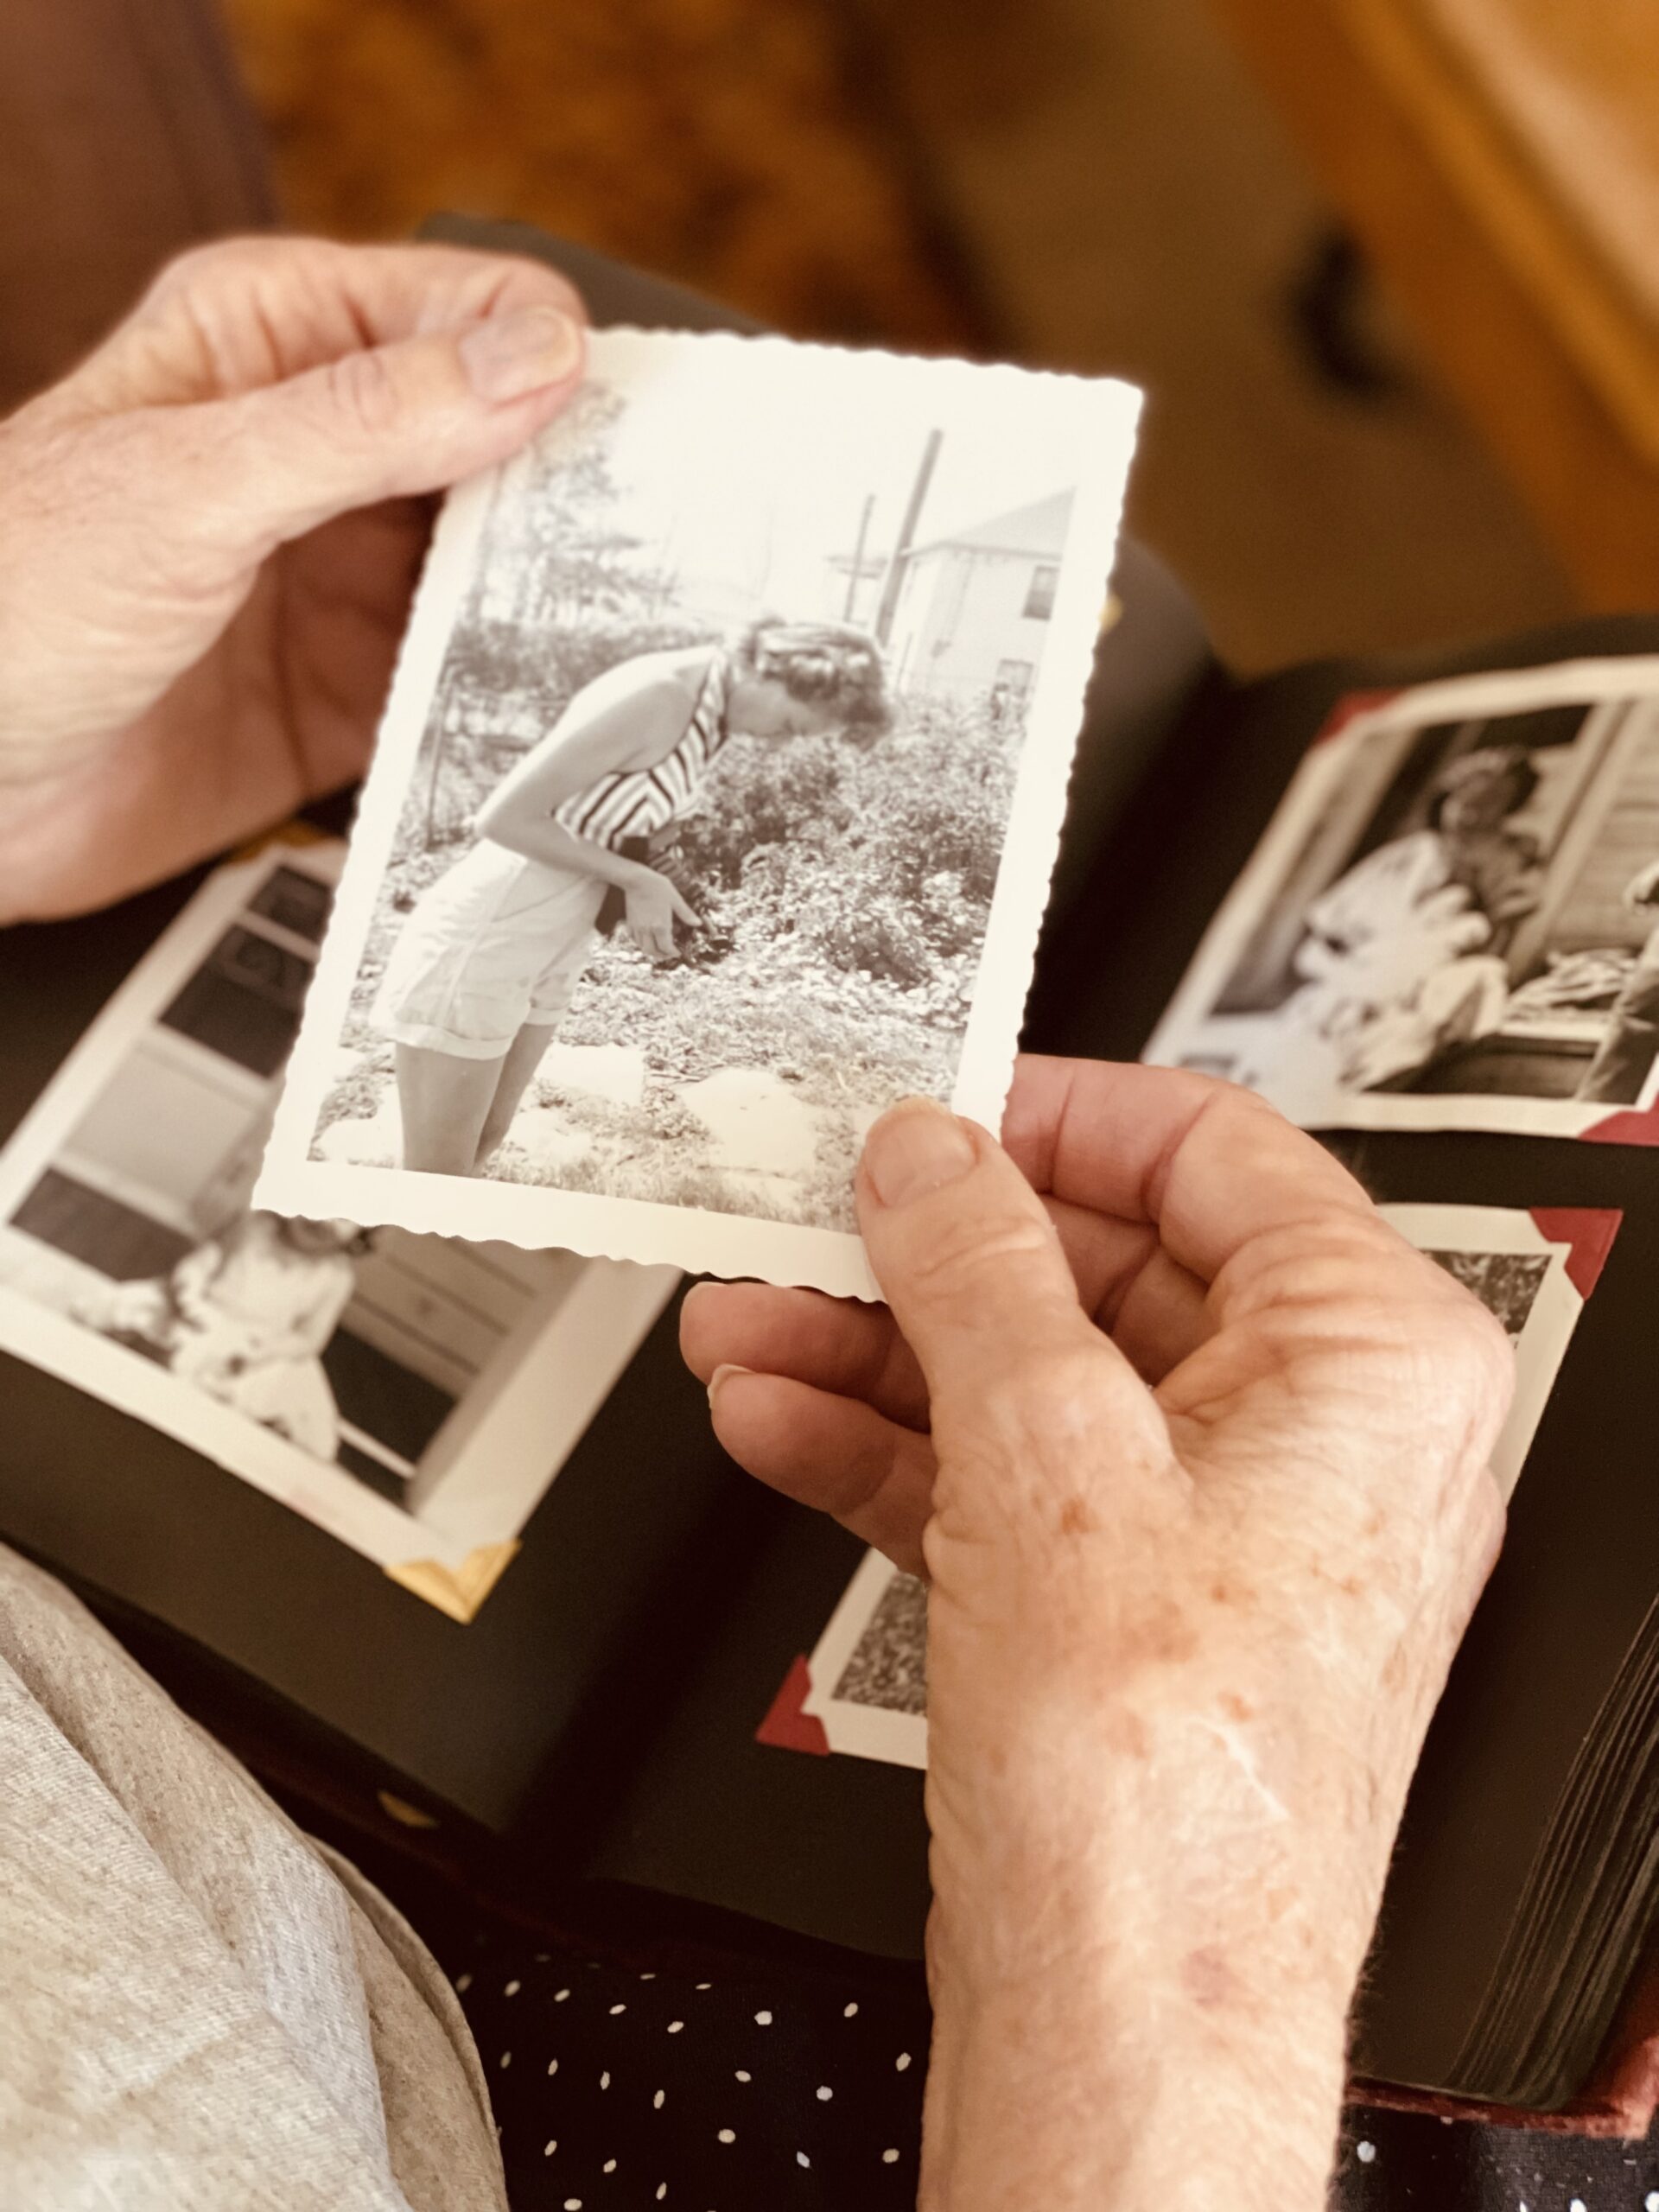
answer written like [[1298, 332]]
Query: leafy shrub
[[758, 797], [883, 862]]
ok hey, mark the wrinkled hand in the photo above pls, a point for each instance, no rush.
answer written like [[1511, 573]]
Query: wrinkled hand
[[653, 907], [1193, 1447], [209, 534]]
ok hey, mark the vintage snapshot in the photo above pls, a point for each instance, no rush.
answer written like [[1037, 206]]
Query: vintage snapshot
[[869, 1667], [414, 1396], [715, 806], [1533, 1270], [1453, 919]]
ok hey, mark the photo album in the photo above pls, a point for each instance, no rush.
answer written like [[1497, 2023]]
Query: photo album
[[413, 1395], [783, 732]]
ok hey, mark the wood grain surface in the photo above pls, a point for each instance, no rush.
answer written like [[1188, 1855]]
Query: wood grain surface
[[741, 146]]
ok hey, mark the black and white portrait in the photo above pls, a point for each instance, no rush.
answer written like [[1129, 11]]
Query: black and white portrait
[[714, 809], [413, 1394], [1454, 920]]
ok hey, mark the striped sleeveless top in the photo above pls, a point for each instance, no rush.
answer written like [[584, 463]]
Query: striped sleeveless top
[[635, 802]]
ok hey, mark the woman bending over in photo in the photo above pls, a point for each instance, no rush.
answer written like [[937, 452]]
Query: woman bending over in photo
[[488, 960]]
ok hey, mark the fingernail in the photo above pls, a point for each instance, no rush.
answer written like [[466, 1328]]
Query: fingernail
[[917, 1146], [720, 1374], [512, 355]]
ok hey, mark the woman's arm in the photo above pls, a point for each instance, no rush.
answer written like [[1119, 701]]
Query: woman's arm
[[626, 729], [633, 731], [654, 905]]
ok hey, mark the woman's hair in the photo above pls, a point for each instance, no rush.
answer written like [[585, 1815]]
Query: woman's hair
[[828, 664], [1510, 763]]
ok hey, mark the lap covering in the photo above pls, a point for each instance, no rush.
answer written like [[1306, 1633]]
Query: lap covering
[[204, 2012]]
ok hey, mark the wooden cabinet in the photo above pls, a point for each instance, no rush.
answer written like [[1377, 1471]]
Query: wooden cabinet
[[1499, 159]]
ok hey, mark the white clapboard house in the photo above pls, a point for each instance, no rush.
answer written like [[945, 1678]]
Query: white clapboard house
[[974, 606]]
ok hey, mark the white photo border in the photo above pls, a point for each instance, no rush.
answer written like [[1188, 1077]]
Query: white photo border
[[704, 1241], [1185, 1028]]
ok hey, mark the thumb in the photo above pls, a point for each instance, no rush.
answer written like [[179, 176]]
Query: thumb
[[969, 1261], [384, 422]]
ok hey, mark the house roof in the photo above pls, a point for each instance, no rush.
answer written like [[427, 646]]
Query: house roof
[[1037, 530]]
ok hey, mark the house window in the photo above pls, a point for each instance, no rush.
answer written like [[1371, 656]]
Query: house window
[[1013, 684], [1039, 599]]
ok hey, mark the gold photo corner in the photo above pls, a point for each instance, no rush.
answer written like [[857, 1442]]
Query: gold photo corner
[[457, 1590]]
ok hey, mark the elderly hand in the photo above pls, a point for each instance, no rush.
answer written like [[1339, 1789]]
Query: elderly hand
[[209, 534], [1193, 1447]]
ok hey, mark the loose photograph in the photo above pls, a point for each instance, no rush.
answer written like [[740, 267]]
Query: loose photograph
[[1534, 1270], [1452, 921], [715, 806], [413, 1395]]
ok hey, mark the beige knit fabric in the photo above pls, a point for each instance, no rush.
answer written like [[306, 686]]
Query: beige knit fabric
[[199, 2010]]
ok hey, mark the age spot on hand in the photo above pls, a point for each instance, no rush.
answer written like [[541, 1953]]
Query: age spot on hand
[[1126, 1734], [1207, 1978]]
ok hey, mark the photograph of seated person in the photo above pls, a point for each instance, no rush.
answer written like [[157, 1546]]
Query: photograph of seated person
[[1404, 953], [1200, 1548], [247, 1318]]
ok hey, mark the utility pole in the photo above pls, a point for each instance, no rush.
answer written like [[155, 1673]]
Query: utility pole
[[895, 577], [855, 573]]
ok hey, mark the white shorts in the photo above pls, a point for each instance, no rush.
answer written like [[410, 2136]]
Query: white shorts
[[497, 942]]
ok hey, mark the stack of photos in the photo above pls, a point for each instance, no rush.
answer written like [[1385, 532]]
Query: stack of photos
[[867, 1676], [715, 806], [413, 1395], [1452, 922]]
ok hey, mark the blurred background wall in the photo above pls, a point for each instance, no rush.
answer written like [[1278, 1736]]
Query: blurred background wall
[[1101, 185]]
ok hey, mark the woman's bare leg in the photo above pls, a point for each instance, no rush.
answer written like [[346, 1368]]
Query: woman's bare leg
[[524, 1058], [444, 1100]]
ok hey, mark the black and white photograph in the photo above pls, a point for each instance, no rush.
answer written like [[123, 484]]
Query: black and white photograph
[[414, 1396], [1534, 1270], [715, 806], [1452, 921], [868, 1670]]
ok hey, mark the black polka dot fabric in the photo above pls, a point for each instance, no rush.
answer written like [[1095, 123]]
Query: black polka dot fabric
[[617, 2090], [1399, 2162]]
